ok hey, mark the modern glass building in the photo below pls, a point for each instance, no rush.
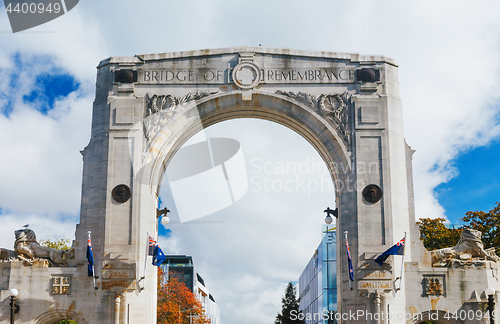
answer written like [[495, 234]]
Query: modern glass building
[[318, 281], [182, 268]]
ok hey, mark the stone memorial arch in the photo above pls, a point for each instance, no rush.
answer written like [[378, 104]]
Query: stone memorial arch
[[346, 106]]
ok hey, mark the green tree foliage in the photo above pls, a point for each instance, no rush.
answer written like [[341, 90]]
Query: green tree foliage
[[289, 307], [436, 235], [61, 244], [488, 223]]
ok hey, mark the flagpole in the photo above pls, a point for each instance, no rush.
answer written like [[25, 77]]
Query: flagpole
[[93, 270], [145, 258], [402, 264], [350, 287]]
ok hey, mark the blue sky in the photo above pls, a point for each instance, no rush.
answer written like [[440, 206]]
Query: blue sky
[[449, 72], [476, 185]]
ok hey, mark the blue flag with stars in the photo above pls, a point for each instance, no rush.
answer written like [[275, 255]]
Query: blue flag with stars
[[349, 261], [158, 256], [396, 249], [90, 258]]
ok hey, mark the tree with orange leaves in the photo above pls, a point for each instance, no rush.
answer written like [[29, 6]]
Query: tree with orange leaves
[[177, 304]]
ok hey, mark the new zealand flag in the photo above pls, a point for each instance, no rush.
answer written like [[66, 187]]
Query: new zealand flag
[[396, 249], [90, 258], [351, 270], [158, 256]]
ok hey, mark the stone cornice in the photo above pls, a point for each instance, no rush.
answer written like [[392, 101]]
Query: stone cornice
[[352, 57]]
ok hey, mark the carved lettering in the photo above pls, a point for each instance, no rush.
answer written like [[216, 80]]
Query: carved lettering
[[220, 74], [209, 75], [270, 75], [374, 284], [343, 74], [301, 76], [118, 283], [172, 76], [154, 75], [275, 75], [377, 275], [334, 75], [118, 274], [183, 76]]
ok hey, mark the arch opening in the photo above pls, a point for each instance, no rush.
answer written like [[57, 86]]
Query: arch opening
[[271, 216], [271, 107]]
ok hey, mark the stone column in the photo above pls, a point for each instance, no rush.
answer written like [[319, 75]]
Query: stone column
[[376, 301], [117, 307]]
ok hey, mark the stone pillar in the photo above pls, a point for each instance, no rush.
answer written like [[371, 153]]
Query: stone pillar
[[117, 307], [376, 302]]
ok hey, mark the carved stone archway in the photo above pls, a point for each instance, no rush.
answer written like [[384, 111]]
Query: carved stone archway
[[56, 315], [345, 105], [307, 119]]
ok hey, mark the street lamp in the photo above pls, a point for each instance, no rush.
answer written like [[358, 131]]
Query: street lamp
[[164, 220], [14, 307], [334, 212], [490, 292]]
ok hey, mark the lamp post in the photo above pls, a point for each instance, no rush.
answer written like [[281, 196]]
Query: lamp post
[[328, 211], [163, 212], [490, 292], [14, 307]]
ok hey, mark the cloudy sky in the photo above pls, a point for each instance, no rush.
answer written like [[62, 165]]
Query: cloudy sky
[[448, 53]]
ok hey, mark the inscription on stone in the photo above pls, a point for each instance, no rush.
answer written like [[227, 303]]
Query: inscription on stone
[[224, 76], [384, 284], [119, 283], [118, 274], [378, 275]]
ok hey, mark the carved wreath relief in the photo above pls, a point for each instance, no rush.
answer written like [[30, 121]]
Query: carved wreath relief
[[161, 108], [334, 107]]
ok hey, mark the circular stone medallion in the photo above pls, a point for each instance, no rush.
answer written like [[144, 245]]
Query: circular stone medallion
[[372, 193], [121, 193], [246, 75]]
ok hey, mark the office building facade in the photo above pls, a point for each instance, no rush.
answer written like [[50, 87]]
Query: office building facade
[[318, 282]]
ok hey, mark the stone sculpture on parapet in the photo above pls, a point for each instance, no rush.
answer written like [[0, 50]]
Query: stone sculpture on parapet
[[30, 252], [469, 251]]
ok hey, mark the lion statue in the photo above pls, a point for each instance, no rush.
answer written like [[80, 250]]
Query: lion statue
[[469, 246], [28, 249]]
